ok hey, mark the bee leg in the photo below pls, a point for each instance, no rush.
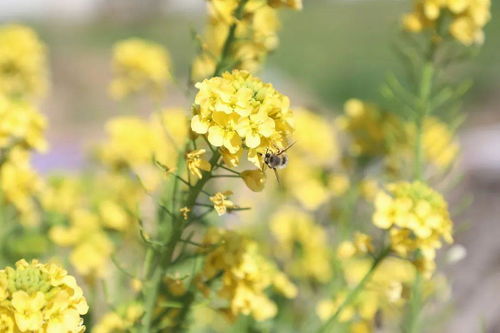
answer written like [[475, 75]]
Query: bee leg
[[277, 176]]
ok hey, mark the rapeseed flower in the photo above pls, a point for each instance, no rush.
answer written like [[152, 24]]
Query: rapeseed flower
[[21, 125], [255, 35], [468, 18], [37, 297], [384, 293], [139, 66], [119, 321], [245, 275], [221, 202], [91, 247], [134, 144], [367, 126], [19, 184], [416, 216], [239, 112], [23, 60], [196, 163], [315, 151], [301, 244]]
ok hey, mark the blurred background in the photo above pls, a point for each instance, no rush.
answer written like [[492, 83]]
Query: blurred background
[[332, 51]]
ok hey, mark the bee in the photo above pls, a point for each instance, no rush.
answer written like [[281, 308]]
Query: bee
[[277, 160]]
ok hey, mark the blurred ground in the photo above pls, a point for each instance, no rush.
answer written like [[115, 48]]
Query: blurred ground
[[331, 51]]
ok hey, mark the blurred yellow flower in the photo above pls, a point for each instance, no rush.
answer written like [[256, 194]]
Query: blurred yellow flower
[[23, 60], [185, 212], [21, 125], [255, 36], [19, 184], [383, 292], [245, 275], [366, 125], [295, 229], [139, 66], [120, 321], [195, 162], [417, 217], [468, 17], [221, 204], [238, 111], [91, 248], [40, 298], [135, 143]]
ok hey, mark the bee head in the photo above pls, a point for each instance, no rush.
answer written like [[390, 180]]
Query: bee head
[[267, 155]]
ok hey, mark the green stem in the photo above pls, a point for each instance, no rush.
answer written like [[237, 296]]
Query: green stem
[[354, 292], [159, 261], [412, 320], [226, 49], [424, 110]]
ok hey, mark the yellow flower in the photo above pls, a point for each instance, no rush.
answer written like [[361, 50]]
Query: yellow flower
[[19, 183], [22, 62], [185, 212], [245, 275], [238, 111], [135, 143], [338, 183], [27, 309], [195, 162], [254, 179], [315, 150], [417, 217], [139, 66], [366, 125], [120, 321], [22, 125], [468, 17], [293, 230], [221, 204], [439, 145], [40, 298], [6, 322], [91, 247], [256, 34]]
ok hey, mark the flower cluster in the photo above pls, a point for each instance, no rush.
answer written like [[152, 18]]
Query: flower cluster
[[91, 247], [134, 144], [382, 296], [440, 148], [18, 184], [139, 66], [22, 77], [120, 321], [417, 219], [315, 151], [301, 244], [375, 133], [43, 298], [22, 62], [255, 36], [468, 18], [238, 111], [367, 126], [21, 125], [245, 275], [88, 208]]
